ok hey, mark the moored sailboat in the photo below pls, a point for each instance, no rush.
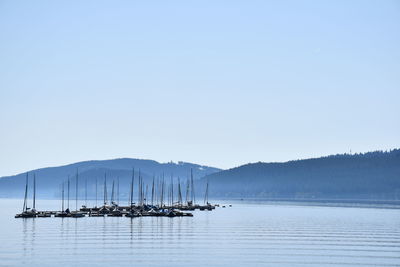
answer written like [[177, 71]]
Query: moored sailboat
[[28, 212]]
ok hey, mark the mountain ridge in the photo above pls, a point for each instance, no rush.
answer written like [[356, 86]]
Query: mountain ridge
[[364, 175], [49, 179]]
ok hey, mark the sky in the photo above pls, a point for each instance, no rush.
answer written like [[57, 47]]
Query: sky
[[218, 83]]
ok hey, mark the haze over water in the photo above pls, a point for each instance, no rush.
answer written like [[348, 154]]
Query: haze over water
[[246, 234]]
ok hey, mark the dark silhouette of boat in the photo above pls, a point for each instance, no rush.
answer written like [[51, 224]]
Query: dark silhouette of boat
[[26, 211]]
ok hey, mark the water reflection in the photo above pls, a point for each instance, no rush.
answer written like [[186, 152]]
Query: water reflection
[[25, 236], [254, 235], [33, 235]]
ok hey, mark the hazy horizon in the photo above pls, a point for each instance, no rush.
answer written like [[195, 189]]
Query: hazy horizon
[[214, 83]]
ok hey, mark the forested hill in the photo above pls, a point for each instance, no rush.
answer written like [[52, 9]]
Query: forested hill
[[49, 179], [373, 175]]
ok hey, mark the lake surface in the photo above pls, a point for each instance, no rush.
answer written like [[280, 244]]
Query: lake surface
[[252, 234]]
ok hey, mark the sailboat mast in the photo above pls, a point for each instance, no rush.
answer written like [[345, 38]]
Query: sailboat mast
[[68, 194], [86, 192], [152, 193], [145, 196], [105, 189], [143, 193], [206, 194], [169, 195], [179, 192], [118, 190], [162, 190], [133, 180], [172, 190], [34, 191], [129, 196], [140, 189], [96, 191], [187, 190], [76, 192], [62, 194], [24, 208], [112, 193], [157, 190], [192, 183]]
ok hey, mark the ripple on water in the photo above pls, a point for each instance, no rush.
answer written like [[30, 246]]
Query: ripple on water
[[244, 235]]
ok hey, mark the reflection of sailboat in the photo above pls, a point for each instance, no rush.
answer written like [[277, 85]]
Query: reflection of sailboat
[[27, 212]]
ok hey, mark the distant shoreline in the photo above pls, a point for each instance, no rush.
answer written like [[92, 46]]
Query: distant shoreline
[[366, 203]]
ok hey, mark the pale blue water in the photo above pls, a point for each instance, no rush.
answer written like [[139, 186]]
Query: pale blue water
[[243, 235]]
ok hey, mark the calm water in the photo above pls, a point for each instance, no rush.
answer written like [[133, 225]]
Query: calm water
[[243, 235]]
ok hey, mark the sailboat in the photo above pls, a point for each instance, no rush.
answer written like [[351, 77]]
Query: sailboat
[[38, 214], [63, 213], [28, 212], [85, 208], [77, 214], [68, 187], [94, 212], [132, 213], [104, 209], [152, 193], [115, 212], [179, 193], [207, 205]]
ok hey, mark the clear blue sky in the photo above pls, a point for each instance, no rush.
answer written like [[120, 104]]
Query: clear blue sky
[[218, 83]]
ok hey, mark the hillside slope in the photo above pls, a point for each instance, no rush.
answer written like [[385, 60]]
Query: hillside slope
[[50, 179], [373, 175]]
